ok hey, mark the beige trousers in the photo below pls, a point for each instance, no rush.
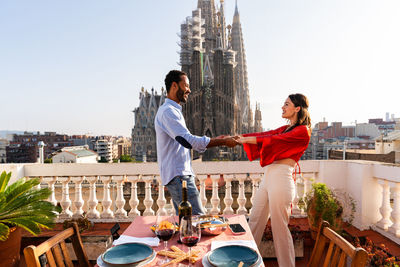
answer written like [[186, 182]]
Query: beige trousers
[[273, 200]]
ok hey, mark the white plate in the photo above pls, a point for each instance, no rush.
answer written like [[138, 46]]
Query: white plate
[[206, 263]]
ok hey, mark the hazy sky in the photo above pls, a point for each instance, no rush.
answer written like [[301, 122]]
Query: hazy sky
[[77, 67]]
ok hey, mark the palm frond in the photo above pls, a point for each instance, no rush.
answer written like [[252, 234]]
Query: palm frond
[[19, 189], [4, 179], [27, 197], [23, 205], [4, 232]]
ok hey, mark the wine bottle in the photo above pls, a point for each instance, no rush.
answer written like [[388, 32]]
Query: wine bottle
[[185, 208]]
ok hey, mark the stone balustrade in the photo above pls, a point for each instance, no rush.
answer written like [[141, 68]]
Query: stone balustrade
[[120, 192]]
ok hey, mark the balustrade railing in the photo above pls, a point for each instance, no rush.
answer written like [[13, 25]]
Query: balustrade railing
[[120, 192], [87, 188], [389, 224]]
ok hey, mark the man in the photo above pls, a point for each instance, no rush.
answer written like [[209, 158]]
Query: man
[[174, 142]]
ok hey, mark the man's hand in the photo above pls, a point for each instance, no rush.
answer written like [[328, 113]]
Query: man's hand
[[231, 141], [224, 140]]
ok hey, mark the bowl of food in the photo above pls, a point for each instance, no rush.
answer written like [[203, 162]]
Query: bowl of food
[[165, 225], [212, 224]]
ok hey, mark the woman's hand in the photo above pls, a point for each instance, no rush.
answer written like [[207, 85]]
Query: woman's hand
[[247, 140]]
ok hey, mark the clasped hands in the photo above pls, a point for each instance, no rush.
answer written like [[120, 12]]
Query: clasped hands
[[231, 141]]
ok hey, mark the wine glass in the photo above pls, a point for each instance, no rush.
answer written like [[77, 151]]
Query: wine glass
[[165, 229], [190, 233]]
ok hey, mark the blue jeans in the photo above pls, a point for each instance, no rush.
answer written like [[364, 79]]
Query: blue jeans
[[175, 189]]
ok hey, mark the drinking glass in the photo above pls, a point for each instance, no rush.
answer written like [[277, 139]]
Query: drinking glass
[[190, 233], [165, 229]]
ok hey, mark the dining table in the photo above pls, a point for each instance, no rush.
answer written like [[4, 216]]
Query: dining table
[[141, 228]]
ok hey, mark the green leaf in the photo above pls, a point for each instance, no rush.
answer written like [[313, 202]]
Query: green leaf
[[24, 205], [4, 179], [4, 232]]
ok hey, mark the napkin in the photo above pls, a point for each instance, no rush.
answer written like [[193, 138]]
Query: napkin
[[246, 243], [151, 241]]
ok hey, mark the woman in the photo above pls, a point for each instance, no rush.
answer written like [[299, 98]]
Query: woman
[[279, 150]]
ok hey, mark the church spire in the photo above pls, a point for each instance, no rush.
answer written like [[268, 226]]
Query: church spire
[[236, 17], [236, 9], [222, 24]]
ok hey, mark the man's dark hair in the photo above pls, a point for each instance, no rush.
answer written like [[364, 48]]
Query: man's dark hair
[[173, 76]]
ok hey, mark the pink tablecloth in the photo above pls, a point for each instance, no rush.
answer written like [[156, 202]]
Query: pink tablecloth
[[140, 227]]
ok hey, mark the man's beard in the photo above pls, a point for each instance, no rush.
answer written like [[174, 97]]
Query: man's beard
[[180, 94]]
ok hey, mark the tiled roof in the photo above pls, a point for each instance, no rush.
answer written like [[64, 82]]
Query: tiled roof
[[82, 153]]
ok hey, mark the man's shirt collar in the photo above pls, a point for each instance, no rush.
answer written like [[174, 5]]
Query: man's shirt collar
[[172, 102]]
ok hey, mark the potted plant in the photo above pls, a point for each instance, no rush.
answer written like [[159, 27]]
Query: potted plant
[[377, 255], [22, 205], [322, 203]]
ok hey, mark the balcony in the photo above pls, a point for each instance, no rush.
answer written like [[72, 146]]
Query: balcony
[[111, 193]]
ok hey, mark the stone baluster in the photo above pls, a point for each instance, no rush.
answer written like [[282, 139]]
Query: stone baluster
[[395, 228], [161, 201], [242, 198], [202, 178], [295, 205], [107, 201], [134, 201], [385, 209], [256, 178], [228, 200], [78, 201], [214, 198], [120, 213], [306, 187], [65, 202], [307, 184], [51, 182], [92, 213], [148, 200]]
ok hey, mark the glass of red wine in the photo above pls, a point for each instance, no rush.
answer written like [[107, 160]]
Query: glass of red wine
[[190, 233], [165, 229]]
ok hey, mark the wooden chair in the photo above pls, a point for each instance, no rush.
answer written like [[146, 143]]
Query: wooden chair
[[337, 251], [56, 252]]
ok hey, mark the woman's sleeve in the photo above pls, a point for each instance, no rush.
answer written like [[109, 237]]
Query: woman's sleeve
[[279, 130], [268, 147], [283, 145], [253, 150]]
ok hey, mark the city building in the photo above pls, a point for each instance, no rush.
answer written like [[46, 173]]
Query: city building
[[75, 154], [22, 153], [367, 130], [144, 146], [82, 140], [3, 144], [123, 146], [24, 148], [384, 126], [104, 149], [388, 143], [213, 55], [336, 137]]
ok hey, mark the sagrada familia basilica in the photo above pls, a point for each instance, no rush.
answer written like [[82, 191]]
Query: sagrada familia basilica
[[213, 55]]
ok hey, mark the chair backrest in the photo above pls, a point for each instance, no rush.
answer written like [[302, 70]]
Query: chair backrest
[[331, 249], [56, 251]]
